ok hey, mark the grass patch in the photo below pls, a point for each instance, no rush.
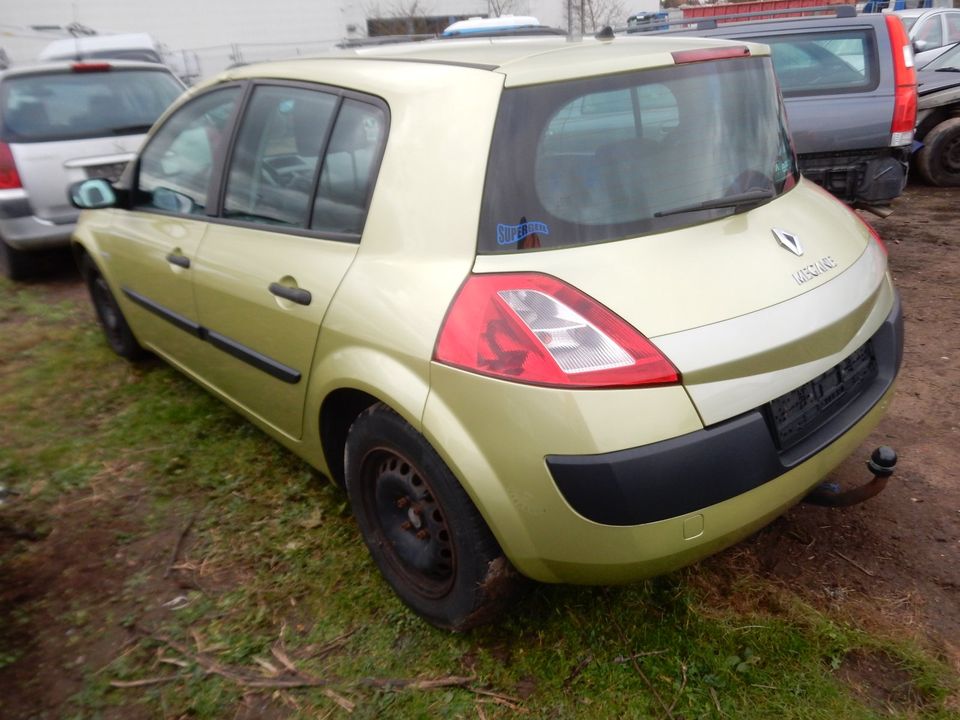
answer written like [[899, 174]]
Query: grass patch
[[124, 464]]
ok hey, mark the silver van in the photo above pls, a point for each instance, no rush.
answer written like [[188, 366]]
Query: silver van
[[63, 122]]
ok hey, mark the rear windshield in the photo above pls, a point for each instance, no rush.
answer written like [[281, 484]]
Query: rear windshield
[[604, 158], [71, 106]]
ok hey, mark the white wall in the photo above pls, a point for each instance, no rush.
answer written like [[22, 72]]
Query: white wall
[[216, 31]]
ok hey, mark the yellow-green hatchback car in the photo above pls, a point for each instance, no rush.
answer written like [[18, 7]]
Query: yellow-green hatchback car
[[559, 307]]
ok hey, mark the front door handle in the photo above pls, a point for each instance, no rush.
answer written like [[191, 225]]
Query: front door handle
[[178, 260], [293, 294]]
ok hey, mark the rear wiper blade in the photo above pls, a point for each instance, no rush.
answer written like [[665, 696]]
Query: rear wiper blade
[[740, 201], [130, 129]]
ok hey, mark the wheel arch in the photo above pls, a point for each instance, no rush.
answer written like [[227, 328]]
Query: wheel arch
[[337, 413]]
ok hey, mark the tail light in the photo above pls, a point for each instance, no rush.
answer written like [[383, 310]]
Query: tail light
[[91, 67], [9, 177], [536, 329], [905, 80]]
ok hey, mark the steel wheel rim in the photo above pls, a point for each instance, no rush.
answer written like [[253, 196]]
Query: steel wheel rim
[[410, 523]]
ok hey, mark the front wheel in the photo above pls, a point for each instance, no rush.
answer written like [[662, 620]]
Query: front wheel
[[423, 531], [115, 328], [939, 159]]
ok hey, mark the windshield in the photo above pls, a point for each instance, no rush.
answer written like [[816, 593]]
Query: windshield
[[72, 105], [950, 60], [909, 21], [610, 157]]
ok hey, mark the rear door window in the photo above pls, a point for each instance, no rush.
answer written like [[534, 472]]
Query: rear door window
[[349, 168], [821, 63], [274, 163]]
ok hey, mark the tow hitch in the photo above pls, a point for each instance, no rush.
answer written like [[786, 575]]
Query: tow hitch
[[881, 464]]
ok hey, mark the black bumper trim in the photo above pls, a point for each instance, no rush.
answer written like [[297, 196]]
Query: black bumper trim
[[683, 474]]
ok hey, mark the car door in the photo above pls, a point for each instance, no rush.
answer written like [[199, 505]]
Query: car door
[[294, 201], [150, 249]]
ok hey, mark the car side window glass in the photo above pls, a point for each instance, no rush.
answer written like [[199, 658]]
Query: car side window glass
[[822, 63], [930, 32], [953, 27], [347, 175], [176, 165], [274, 163]]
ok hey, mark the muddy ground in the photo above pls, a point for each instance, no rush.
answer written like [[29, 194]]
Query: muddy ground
[[892, 564]]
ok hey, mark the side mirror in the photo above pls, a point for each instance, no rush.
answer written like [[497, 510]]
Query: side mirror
[[92, 194], [920, 46], [172, 201]]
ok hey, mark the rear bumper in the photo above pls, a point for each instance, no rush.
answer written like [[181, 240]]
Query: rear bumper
[[22, 230], [703, 468], [872, 177]]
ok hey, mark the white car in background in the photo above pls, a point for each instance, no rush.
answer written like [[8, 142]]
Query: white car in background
[[59, 123], [930, 30]]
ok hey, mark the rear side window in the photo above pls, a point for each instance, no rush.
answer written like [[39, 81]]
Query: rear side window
[[822, 63], [72, 106], [604, 158]]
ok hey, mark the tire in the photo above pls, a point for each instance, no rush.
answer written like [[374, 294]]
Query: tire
[[426, 536], [939, 159], [14, 264], [119, 336]]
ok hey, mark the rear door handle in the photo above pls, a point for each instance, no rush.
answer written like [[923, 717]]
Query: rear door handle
[[178, 260], [293, 294]]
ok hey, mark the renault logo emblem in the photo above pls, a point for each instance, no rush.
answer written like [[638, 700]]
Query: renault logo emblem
[[790, 241]]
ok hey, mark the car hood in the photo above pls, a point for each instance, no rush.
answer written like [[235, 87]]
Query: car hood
[[931, 81], [709, 273]]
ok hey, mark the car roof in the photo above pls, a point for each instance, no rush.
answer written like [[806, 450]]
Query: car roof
[[917, 12], [524, 61], [61, 65]]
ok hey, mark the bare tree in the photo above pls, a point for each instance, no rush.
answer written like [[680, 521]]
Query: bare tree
[[496, 8], [589, 16]]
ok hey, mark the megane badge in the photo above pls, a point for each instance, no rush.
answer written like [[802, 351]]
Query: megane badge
[[790, 241]]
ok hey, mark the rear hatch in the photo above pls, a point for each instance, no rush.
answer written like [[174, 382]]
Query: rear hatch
[[672, 197], [84, 120]]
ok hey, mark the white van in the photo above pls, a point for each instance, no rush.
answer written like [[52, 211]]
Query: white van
[[123, 46]]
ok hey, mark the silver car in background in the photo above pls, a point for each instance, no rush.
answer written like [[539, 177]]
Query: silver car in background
[[63, 122]]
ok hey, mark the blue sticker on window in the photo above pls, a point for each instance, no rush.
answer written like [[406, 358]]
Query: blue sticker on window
[[510, 234]]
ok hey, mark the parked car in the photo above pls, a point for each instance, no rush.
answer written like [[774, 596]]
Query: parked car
[[59, 123], [850, 92], [559, 307], [930, 30], [938, 119]]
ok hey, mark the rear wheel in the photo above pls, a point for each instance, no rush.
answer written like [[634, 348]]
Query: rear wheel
[[939, 159], [423, 531], [114, 324], [14, 264]]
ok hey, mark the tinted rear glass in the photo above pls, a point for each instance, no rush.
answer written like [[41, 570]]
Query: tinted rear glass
[[604, 158], [71, 106]]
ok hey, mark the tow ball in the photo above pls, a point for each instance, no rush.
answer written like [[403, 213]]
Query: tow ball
[[881, 464]]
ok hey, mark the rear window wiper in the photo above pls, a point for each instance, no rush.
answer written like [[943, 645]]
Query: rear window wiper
[[130, 129], [740, 201]]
